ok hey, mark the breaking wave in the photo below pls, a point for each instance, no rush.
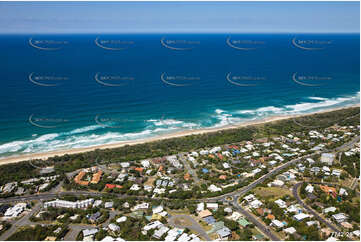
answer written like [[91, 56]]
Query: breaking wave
[[86, 137]]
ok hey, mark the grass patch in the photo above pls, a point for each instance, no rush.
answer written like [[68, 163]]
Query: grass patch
[[272, 192]]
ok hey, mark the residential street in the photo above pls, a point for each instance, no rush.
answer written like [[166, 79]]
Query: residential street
[[21, 222], [310, 210]]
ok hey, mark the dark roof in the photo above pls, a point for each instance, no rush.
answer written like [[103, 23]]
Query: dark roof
[[3, 208], [311, 196], [95, 216]]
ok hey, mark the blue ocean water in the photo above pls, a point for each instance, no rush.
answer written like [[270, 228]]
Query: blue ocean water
[[69, 91]]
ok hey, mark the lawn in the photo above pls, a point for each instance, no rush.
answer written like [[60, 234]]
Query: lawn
[[272, 192], [179, 212], [150, 181]]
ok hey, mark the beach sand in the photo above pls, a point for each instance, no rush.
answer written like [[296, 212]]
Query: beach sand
[[46, 155]]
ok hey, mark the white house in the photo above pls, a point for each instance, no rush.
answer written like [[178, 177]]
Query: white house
[[290, 230], [249, 198], [276, 183], [108, 205], [121, 219], [309, 188], [212, 206], [255, 171], [281, 203], [226, 165], [226, 153], [160, 232], [329, 209], [157, 209], [343, 192], [89, 232], [336, 172], [235, 216], [141, 206], [195, 154], [256, 203], [215, 150], [301, 216], [340, 217], [15, 210], [125, 164], [152, 225], [145, 163], [204, 152], [326, 169], [200, 207], [277, 223], [114, 227], [214, 188], [97, 203], [272, 162], [327, 158]]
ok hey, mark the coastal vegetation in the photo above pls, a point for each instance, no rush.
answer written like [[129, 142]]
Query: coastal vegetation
[[66, 163]]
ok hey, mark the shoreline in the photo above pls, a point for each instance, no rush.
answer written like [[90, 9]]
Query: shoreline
[[46, 155]]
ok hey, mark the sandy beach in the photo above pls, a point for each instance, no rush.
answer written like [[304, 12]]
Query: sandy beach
[[46, 155]]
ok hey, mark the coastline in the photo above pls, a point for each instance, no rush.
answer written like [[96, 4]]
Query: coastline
[[46, 155]]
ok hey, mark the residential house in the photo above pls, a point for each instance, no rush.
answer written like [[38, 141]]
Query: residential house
[[329, 210], [113, 227], [309, 188], [340, 217], [290, 230], [301, 216], [256, 204], [224, 233], [276, 223], [327, 158], [281, 203], [212, 206]]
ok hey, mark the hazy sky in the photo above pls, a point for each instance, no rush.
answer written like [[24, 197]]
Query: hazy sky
[[168, 17]]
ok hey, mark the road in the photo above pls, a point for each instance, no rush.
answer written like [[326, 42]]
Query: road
[[192, 172], [310, 210], [21, 222], [74, 230], [188, 219], [257, 223]]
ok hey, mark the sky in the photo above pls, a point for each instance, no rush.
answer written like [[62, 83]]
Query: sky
[[180, 17]]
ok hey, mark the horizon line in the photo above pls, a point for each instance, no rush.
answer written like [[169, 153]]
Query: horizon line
[[149, 33]]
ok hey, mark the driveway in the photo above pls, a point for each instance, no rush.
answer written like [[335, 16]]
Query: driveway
[[186, 221]]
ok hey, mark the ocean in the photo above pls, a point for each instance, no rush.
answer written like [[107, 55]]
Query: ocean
[[70, 91]]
